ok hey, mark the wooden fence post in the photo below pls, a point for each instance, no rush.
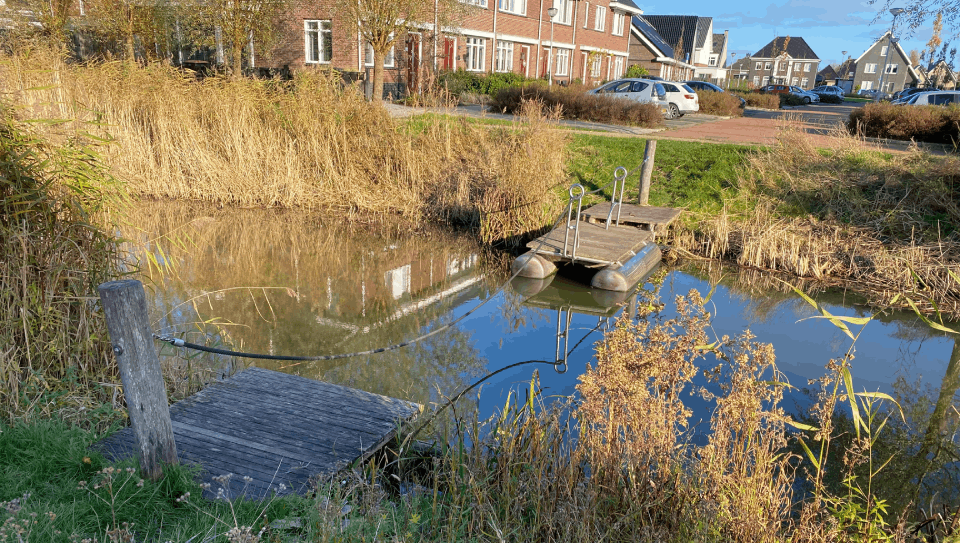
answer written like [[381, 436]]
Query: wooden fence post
[[125, 307], [647, 172]]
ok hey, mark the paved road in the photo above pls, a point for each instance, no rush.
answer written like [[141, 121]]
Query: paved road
[[756, 127]]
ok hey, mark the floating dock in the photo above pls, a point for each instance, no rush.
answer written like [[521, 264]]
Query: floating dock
[[625, 251], [274, 428]]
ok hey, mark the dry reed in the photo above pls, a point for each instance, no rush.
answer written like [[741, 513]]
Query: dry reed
[[885, 225], [309, 144]]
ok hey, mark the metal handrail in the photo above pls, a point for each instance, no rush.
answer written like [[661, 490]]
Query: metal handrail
[[619, 176], [576, 192]]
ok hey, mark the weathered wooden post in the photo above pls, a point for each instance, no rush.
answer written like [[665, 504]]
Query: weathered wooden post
[[647, 172], [125, 307]]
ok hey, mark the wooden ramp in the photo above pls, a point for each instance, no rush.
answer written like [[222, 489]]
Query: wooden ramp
[[276, 429], [655, 219]]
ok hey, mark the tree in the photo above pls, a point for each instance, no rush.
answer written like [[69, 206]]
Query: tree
[[914, 57], [381, 22], [243, 23], [918, 12], [125, 20]]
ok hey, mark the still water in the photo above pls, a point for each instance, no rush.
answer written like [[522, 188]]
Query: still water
[[286, 284]]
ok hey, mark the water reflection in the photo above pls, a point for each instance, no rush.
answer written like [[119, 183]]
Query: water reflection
[[282, 283]]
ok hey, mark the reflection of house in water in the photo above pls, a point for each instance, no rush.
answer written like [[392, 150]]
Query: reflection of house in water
[[392, 287]]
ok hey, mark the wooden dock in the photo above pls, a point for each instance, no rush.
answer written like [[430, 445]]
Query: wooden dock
[[626, 252], [276, 429], [654, 219]]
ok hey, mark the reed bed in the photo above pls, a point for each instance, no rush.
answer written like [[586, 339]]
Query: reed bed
[[310, 144], [883, 223], [55, 359]]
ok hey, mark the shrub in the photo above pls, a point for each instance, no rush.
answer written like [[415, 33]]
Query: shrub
[[573, 103], [719, 103], [933, 124], [636, 70], [830, 99], [787, 99], [460, 82], [759, 99]]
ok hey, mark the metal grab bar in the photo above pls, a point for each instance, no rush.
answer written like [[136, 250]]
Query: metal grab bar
[[576, 192], [619, 176]]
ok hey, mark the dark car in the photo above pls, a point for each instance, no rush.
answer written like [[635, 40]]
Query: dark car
[[700, 86], [901, 96]]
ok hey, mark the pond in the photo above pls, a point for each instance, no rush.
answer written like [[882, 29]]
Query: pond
[[284, 283]]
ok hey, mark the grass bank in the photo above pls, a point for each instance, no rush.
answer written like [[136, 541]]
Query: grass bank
[[881, 223]]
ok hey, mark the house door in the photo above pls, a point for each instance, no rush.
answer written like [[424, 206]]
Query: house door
[[413, 62], [524, 56], [449, 53]]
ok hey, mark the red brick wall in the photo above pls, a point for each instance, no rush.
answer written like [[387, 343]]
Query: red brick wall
[[290, 48]]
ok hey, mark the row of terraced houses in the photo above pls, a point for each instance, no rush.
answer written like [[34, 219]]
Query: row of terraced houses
[[590, 40]]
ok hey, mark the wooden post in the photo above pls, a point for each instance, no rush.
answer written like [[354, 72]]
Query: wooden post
[[647, 172], [125, 307]]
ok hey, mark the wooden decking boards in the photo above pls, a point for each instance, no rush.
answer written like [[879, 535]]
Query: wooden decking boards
[[602, 246], [274, 428], [651, 218]]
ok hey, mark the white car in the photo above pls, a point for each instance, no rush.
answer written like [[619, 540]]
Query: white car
[[829, 89], [640, 90], [681, 99], [934, 98], [805, 95]]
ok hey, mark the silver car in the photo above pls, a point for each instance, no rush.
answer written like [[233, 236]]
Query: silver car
[[805, 95], [641, 90]]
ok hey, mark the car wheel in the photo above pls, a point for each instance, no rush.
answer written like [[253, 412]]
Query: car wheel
[[806, 99], [675, 111]]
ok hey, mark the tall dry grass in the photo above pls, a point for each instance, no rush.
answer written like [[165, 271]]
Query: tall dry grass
[[309, 143], [54, 353], [885, 223]]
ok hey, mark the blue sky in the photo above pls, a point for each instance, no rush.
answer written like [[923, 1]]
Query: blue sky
[[828, 26]]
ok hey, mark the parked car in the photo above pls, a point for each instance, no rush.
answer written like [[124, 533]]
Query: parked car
[[868, 93], [805, 95], [705, 86], [902, 96], [775, 89], [641, 90], [934, 98], [681, 99], [829, 89]]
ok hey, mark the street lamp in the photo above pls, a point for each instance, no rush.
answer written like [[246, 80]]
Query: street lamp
[[733, 57], [891, 42], [841, 68], [552, 12]]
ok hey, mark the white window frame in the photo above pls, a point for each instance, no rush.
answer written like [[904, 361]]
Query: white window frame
[[516, 7], [478, 3], [503, 61], [595, 66], [766, 66], [766, 81], [618, 20], [883, 51], [564, 11], [891, 68], [618, 67], [586, 14], [870, 68], [600, 19], [476, 54], [866, 85], [759, 66], [756, 81], [319, 33], [562, 60], [712, 60], [368, 56], [794, 81], [803, 83], [806, 67]]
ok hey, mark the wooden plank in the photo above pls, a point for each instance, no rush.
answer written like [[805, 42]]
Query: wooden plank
[[598, 245], [275, 427], [658, 217]]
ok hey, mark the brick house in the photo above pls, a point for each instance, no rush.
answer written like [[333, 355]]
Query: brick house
[[885, 60], [649, 50], [590, 39], [784, 61], [739, 73]]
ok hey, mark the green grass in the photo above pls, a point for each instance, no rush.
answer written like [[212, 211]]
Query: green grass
[[416, 124], [697, 176], [52, 464]]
